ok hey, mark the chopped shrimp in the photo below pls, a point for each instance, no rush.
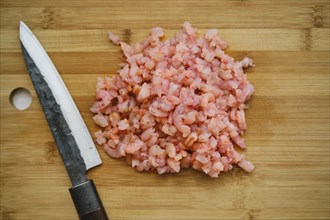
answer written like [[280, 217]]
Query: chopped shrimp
[[246, 62], [99, 137], [147, 134], [101, 120], [192, 137], [175, 104], [173, 164], [190, 117], [246, 165], [144, 92], [134, 146], [178, 118], [170, 149], [112, 152], [114, 38], [123, 124], [201, 158], [169, 129], [204, 137], [241, 119]]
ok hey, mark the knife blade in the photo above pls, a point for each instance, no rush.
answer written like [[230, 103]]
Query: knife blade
[[70, 133]]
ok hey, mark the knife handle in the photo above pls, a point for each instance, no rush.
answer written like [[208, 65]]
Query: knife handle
[[87, 202]]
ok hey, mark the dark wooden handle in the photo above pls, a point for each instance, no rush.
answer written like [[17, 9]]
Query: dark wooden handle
[[87, 202], [98, 214]]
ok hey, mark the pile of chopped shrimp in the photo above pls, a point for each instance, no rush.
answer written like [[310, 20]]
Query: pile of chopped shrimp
[[175, 104]]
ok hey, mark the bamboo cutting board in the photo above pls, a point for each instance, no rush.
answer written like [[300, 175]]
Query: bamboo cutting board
[[288, 116]]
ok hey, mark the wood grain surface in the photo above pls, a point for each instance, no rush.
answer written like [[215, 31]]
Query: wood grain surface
[[288, 116]]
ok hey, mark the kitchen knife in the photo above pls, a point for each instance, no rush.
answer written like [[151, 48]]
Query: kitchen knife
[[72, 138]]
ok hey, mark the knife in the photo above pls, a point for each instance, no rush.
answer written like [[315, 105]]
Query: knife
[[72, 138]]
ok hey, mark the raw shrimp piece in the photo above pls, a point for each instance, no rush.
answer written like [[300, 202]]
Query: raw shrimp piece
[[201, 158], [246, 165], [114, 38], [123, 124], [99, 137], [134, 146], [100, 120], [170, 149], [147, 134], [173, 164], [246, 62], [241, 119], [144, 92], [190, 140], [169, 129]]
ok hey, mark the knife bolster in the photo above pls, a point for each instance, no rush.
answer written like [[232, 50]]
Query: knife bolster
[[86, 199]]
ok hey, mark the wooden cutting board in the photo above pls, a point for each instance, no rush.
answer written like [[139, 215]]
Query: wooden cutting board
[[288, 116]]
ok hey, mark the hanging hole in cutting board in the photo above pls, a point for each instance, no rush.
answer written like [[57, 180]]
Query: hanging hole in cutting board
[[20, 98]]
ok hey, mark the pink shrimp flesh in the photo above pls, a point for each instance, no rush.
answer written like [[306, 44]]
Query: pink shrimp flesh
[[175, 104]]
